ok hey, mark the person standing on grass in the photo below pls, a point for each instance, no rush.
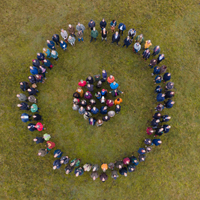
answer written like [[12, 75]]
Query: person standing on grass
[[157, 115], [79, 171], [42, 152], [123, 171], [147, 44], [81, 110], [153, 62], [32, 91], [114, 174], [166, 128], [103, 177], [104, 33], [32, 99], [166, 77], [146, 54], [75, 107], [92, 121], [116, 38], [91, 24], [158, 89], [156, 70], [160, 58], [169, 94], [23, 106], [141, 151], [36, 62], [54, 54], [75, 162], [31, 127], [109, 102], [122, 28], [104, 75], [155, 123], [56, 39], [94, 110], [165, 118], [56, 164], [119, 164], [126, 161], [40, 56], [103, 24], [94, 34], [50, 145], [117, 109], [64, 160], [160, 97], [104, 92], [46, 137], [37, 117], [99, 123], [71, 40], [169, 86], [94, 175], [132, 33], [111, 113], [103, 110], [131, 168], [136, 47], [64, 34], [80, 35], [105, 118], [83, 103], [163, 69], [134, 160], [34, 108], [169, 103], [139, 38], [43, 71], [80, 27], [156, 50], [159, 107], [68, 169], [63, 45], [111, 166], [40, 126], [38, 140], [33, 70], [51, 45], [46, 52], [87, 167], [90, 87], [110, 79], [57, 153], [32, 79], [39, 78], [149, 131], [127, 42], [71, 30], [25, 117], [147, 141], [88, 95], [113, 24], [158, 79], [118, 101], [47, 63], [97, 77], [80, 91], [159, 131], [24, 85], [157, 142], [90, 80], [22, 97], [114, 85], [95, 167]]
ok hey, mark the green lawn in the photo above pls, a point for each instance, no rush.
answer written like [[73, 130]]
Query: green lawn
[[171, 171]]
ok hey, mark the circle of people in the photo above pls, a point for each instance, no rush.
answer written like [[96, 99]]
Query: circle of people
[[39, 69], [87, 109]]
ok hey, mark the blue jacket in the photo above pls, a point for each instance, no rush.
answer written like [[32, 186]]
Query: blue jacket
[[63, 45], [34, 71], [169, 104], [113, 87], [103, 93], [164, 118], [54, 56], [124, 26], [94, 111], [166, 130], [160, 98], [39, 140], [41, 56], [158, 89], [48, 63], [57, 164], [155, 141], [91, 25], [156, 70], [103, 111], [166, 78], [104, 75], [59, 152], [158, 80], [51, 45], [25, 119], [113, 24], [140, 151], [48, 53]]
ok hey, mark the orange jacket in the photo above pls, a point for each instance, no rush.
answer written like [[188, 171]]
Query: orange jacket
[[118, 102]]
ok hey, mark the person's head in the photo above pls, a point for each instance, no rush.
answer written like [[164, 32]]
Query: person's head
[[70, 25], [113, 21], [143, 151], [172, 93], [29, 90], [40, 67], [168, 117], [172, 102], [162, 55], [127, 37], [70, 37], [104, 71], [103, 20], [94, 178], [163, 95], [106, 117], [61, 41], [62, 30], [105, 107], [45, 60], [111, 76], [91, 119], [120, 166], [37, 76], [44, 49], [35, 140], [125, 174], [39, 154], [99, 121], [168, 127], [53, 52], [103, 180], [116, 33], [159, 141], [161, 129], [67, 171], [48, 41], [141, 35], [18, 95], [91, 21], [34, 116], [157, 121], [148, 41], [94, 29], [104, 30], [157, 47], [147, 50], [168, 74], [81, 108], [94, 108], [118, 99], [30, 68], [79, 23], [38, 54]]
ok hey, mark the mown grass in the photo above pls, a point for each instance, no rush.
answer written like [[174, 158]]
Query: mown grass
[[171, 171]]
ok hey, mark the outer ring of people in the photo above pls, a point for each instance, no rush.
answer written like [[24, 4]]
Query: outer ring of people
[[158, 126]]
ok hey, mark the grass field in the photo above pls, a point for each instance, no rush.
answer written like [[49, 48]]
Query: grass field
[[171, 171]]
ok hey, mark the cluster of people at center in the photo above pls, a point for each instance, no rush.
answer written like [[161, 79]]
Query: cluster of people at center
[[94, 94]]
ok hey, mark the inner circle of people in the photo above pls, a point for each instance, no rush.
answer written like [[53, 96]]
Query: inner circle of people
[[159, 122]]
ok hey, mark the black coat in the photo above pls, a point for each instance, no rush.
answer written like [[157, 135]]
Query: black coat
[[123, 170], [56, 38], [115, 40], [41, 56], [156, 116], [32, 127], [146, 54], [33, 91], [24, 106], [25, 86], [117, 109], [90, 81], [104, 119], [38, 117], [32, 79], [168, 95], [36, 63], [103, 24]]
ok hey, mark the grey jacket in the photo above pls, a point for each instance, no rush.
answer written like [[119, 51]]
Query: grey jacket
[[137, 47], [64, 35], [114, 173], [80, 28], [32, 99], [72, 40], [22, 97]]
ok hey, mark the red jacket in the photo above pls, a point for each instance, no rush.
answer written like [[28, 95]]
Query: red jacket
[[50, 145]]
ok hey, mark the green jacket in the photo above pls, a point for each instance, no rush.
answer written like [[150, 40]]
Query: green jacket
[[140, 40], [34, 108], [94, 34]]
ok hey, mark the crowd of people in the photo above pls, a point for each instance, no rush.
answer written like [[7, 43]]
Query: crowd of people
[[86, 107]]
